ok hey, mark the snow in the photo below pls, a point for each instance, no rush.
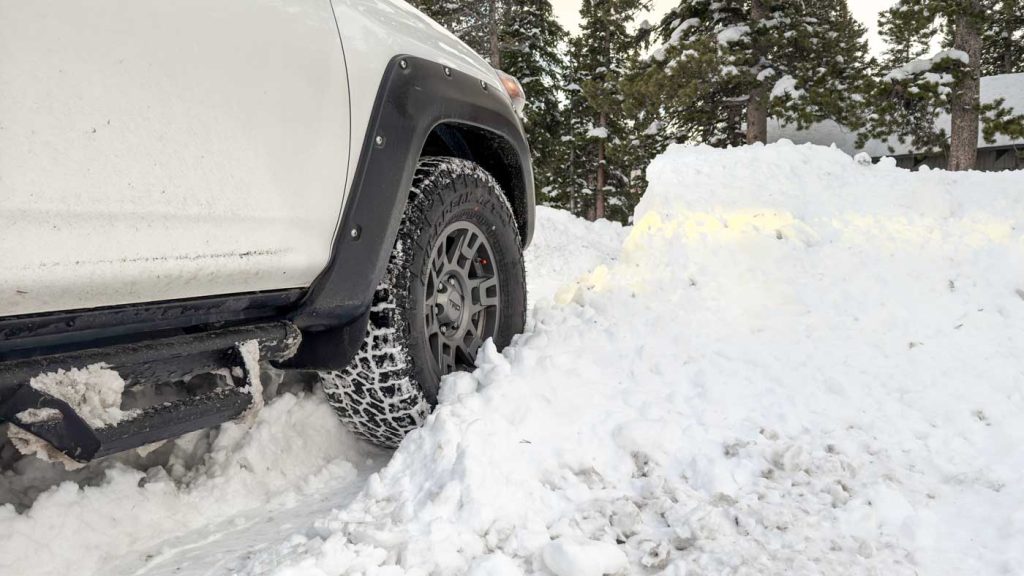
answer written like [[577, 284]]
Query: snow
[[785, 86], [1010, 87], [793, 363], [567, 248], [733, 34], [597, 132], [250, 353], [567, 557], [925, 64], [654, 128], [94, 392], [211, 483]]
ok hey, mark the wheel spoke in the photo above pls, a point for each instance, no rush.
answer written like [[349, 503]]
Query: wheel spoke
[[446, 356], [452, 256], [431, 320], [472, 340], [469, 248], [484, 292]]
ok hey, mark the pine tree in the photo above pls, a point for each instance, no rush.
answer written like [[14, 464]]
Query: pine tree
[[724, 66], [478, 23], [569, 188], [605, 52], [909, 98], [531, 52], [1002, 50]]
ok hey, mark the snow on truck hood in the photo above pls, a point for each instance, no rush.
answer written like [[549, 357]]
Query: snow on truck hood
[[796, 364]]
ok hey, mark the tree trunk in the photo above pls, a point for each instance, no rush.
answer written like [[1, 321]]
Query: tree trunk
[[599, 197], [963, 144], [1007, 37], [757, 107], [494, 25]]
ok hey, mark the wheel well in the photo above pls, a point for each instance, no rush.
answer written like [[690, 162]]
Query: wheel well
[[493, 153]]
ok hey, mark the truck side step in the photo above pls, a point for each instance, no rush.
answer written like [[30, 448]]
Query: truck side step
[[158, 360]]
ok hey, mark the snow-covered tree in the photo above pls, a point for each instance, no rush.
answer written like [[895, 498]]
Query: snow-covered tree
[[478, 23], [604, 53], [911, 96], [568, 188], [1002, 50], [532, 51], [722, 67]]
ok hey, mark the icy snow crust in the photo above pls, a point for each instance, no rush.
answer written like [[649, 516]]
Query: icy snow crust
[[796, 364]]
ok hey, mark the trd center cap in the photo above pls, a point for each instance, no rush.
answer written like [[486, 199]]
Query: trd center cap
[[451, 304]]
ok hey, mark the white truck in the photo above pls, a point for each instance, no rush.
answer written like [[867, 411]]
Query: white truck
[[341, 182]]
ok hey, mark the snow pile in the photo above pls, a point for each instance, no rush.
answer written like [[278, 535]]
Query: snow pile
[[798, 365], [565, 248]]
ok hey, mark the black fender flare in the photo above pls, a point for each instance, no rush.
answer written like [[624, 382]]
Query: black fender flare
[[415, 97]]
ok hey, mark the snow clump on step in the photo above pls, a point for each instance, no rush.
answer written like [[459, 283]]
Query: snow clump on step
[[94, 392]]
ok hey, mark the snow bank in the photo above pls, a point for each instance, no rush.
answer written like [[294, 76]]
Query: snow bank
[[565, 247], [798, 365]]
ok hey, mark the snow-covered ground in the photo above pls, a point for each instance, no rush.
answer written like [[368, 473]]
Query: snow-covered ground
[[793, 363]]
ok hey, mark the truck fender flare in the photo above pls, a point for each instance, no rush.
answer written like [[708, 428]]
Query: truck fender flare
[[415, 97]]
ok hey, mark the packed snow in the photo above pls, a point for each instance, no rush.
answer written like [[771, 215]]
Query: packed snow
[[793, 363]]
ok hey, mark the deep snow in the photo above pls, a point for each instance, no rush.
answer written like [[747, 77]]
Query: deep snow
[[794, 363]]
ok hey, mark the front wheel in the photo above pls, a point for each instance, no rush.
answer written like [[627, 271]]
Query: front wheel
[[455, 279]]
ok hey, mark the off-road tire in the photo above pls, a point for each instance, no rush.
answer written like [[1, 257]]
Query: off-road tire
[[391, 385]]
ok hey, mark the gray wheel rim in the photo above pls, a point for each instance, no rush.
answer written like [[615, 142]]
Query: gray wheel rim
[[462, 297]]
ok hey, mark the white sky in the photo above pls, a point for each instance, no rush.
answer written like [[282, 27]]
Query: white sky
[[568, 13]]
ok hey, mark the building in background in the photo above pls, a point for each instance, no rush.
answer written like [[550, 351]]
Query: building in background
[[1004, 154]]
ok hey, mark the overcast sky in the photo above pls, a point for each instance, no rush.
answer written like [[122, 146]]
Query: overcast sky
[[568, 12]]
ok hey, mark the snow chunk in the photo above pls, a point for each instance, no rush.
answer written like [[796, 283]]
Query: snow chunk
[[598, 132], [94, 392], [567, 557], [654, 128], [250, 352], [786, 86], [496, 564], [925, 64], [37, 415], [733, 34]]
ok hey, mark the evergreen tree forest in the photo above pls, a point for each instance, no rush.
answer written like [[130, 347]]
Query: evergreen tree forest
[[603, 102]]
